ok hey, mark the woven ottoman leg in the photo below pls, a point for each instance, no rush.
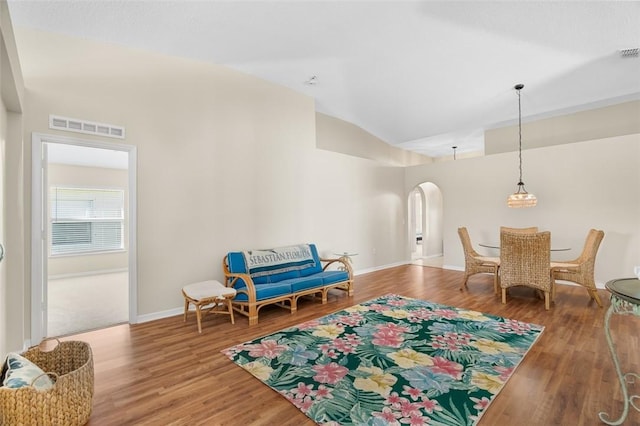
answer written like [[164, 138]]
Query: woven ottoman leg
[[230, 309], [199, 316], [186, 308]]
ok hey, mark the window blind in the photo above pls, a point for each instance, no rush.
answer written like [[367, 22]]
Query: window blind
[[86, 220]]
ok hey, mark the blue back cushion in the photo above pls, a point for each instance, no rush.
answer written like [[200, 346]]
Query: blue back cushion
[[238, 265], [236, 261], [316, 267]]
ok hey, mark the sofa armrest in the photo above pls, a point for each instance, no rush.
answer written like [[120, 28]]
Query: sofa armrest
[[345, 265], [231, 279]]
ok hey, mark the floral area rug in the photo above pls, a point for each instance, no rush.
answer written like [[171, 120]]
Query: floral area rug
[[391, 361]]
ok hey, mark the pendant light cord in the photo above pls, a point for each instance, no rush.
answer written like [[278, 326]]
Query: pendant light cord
[[520, 138]]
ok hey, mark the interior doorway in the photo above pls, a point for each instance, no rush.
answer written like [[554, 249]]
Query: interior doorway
[[425, 224], [83, 273]]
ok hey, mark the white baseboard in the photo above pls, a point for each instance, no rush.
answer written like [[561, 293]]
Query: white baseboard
[[159, 315], [432, 256], [379, 268], [453, 267]]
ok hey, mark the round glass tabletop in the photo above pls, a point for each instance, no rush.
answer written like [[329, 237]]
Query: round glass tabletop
[[625, 288]]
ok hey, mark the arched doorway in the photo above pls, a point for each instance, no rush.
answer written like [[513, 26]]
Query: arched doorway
[[425, 224]]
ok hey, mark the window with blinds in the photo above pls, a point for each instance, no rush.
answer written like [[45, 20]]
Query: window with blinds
[[85, 220]]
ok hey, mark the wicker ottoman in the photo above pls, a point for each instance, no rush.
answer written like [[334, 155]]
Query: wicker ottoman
[[206, 293]]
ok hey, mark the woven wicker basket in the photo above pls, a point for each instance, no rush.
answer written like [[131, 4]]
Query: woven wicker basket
[[67, 403]]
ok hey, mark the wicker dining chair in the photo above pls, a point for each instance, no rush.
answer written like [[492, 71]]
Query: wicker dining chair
[[474, 263], [530, 230], [581, 270], [525, 261]]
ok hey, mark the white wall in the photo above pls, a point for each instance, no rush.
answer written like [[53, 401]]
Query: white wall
[[3, 273], [225, 162], [592, 184], [14, 267], [598, 123], [337, 135]]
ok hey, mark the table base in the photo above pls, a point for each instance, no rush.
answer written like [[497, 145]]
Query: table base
[[622, 307]]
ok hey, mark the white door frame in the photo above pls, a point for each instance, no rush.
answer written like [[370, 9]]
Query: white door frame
[[39, 226]]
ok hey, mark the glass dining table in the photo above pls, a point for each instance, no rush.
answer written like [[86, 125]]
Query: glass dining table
[[497, 247]]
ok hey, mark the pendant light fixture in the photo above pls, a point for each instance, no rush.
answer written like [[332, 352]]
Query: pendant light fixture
[[521, 198]]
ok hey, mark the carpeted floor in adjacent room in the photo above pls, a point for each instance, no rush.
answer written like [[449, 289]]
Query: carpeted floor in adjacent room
[[87, 303]]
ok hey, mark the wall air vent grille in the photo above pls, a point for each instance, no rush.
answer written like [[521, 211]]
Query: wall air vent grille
[[82, 126], [630, 53]]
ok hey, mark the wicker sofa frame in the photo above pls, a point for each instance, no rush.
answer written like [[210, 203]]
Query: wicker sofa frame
[[245, 285]]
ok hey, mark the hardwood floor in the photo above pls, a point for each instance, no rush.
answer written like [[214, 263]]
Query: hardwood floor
[[164, 373]]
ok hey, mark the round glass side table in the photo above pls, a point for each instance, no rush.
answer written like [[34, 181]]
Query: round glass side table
[[625, 300], [346, 257]]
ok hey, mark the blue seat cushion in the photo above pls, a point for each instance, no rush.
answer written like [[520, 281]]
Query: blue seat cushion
[[304, 283], [266, 291]]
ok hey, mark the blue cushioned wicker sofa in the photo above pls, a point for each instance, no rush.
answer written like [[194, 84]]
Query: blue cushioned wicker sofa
[[281, 276]]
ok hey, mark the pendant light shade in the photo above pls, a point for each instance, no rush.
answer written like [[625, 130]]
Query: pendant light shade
[[520, 198]]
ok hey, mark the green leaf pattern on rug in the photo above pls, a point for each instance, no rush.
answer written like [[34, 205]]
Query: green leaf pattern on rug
[[391, 361]]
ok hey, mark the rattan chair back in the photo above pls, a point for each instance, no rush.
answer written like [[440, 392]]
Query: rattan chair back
[[525, 261], [582, 269], [474, 263], [530, 230]]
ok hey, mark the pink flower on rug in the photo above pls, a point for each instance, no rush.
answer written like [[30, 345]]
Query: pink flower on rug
[[353, 339], [389, 334], [343, 346], [378, 307], [232, 351], [451, 341], [392, 340], [445, 313], [445, 366], [308, 324], [328, 350], [415, 420], [267, 348], [505, 372], [430, 405], [514, 327], [409, 409], [412, 392], [481, 403], [330, 373], [398, 302], [302, 390], [305, 404], [323, 392], [393, 399], [388, 415], [418, 315], [392, 327], [353, 319]]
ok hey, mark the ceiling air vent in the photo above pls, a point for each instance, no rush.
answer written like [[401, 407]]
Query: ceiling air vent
[[83, 126], [630, 53]]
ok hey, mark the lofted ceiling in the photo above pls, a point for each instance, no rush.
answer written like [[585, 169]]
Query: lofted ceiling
[[420, 75]]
